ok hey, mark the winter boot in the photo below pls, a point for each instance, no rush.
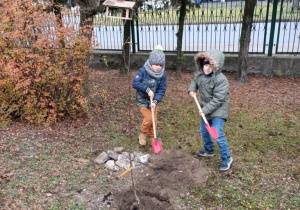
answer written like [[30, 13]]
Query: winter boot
[[142, 139]]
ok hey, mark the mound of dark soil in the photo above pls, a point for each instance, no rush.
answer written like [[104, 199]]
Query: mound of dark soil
[[162, 181]]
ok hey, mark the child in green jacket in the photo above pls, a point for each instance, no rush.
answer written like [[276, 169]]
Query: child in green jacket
[[214, 94]]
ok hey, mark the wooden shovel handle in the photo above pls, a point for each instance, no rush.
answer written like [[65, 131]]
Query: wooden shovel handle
[[199, 107], [153, 118]]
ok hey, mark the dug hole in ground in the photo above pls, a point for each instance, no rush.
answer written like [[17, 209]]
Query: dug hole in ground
[[160, 183]]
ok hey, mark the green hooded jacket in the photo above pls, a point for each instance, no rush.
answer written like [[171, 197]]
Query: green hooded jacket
[[213, 89]]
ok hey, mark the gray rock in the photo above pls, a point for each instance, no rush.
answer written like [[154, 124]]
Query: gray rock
[[144, 159], [123, 164], [137, 155], [126, 156], [110, 165], [120, 157], [113, 155], [102, 158]]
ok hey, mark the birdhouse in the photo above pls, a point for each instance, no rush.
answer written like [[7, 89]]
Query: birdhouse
[[119, 9]]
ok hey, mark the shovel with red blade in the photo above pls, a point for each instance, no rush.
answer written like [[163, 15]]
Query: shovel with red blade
[[157, 147], [211, 130]]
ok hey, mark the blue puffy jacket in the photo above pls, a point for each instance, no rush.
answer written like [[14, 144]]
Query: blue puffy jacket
[[143, 82]]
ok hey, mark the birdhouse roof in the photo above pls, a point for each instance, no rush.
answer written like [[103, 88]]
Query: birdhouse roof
[[119, 4]]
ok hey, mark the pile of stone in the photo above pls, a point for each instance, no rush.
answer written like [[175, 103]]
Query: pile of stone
[[117, 159]]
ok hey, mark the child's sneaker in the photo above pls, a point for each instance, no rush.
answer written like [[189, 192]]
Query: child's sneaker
[[225, 165], [142, 139], [205, 153]]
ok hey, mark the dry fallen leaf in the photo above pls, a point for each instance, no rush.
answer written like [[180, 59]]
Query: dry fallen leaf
[[81, 160], [9, 174], [55, 174]]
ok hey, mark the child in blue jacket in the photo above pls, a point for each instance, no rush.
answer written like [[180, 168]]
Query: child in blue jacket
[[150, 82]]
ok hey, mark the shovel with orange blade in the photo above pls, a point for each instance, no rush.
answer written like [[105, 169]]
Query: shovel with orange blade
[[211, 130], [157, 147]]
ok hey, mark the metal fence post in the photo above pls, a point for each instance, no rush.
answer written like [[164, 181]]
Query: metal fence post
[[266, 24], [272, 31], [137, 30], [279, 25], [133, 36]]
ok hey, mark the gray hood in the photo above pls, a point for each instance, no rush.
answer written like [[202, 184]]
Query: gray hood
[[213, 89], [216, 59]]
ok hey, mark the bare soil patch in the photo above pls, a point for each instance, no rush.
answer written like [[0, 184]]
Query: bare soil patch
[[162, 181]]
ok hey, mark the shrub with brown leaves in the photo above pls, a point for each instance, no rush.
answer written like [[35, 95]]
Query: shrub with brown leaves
[[43, 66]]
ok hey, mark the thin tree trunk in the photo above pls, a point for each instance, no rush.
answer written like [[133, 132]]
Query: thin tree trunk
[[88, 9], [241, 73], [86, 20], [58, 15], [126, 49], [180, 57], [295, 5]]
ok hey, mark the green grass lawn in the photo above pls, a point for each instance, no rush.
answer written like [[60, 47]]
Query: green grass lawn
[[46, 167]]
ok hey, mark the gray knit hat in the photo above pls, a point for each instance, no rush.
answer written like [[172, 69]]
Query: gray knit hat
[[157, 57]]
